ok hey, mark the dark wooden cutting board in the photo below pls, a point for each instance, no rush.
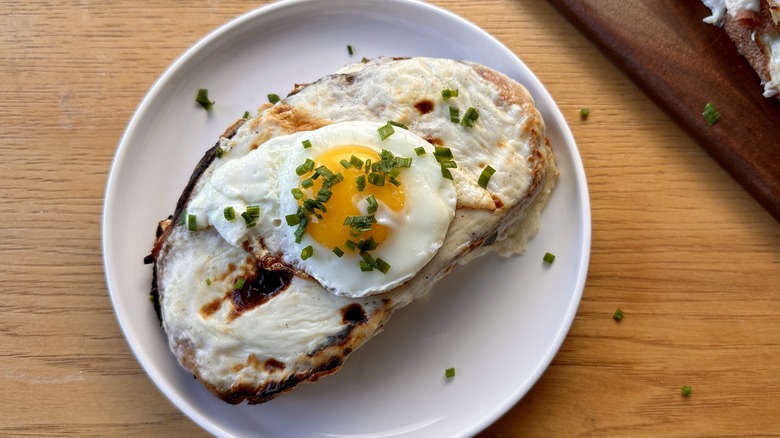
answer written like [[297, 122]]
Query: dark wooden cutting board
[[682, 63]]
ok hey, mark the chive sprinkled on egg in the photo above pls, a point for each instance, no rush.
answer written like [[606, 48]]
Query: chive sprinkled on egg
[[229, 213], [372, 204], [419, 151], [239, 283], [306, 144], [273, 98], [307, 252], [192, 222], [385, 131]]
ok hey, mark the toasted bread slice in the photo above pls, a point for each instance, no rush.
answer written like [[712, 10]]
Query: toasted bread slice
[[257, 340]]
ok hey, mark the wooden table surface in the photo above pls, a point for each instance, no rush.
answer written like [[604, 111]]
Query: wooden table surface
[[691, 259]]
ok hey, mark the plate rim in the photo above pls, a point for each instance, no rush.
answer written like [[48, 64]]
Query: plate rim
[[214, 36]]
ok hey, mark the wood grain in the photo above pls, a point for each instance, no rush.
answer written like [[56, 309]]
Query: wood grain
[[682, 64], [687, 254]]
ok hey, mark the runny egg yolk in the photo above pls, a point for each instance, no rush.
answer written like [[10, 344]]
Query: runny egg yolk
[[330, 231]]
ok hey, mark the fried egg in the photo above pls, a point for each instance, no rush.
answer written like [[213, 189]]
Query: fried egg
[[324, 206]]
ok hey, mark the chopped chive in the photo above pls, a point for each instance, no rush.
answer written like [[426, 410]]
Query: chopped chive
[[192, 222], [301, 227], [367, 244], [305, 168], [381, 265], [246, 115], [446, 173], [251, 215], [356, 162], [219, 152], [400, 125], [307, 252], [365, 266], [239, 283], [584, 113], [442, 153], [485, 176], [686, 390], [361, 182], [273, 98], [618, 315], [338, 251], [385, 131], [403, 161], [367, 258], [419, 151], [372, 204], [296, 192], [349, 50], [182, 218], [394, 181], [208, 282], [368, 166], [350, 245], [292, 219], [229, 213], [307, 183], [454, 114], [359, 224], [448, 164], [449, 373], [364, 60], [447, 93], [306, 144], [203, 99], [548, 257], [469, 118], [345, 164], [377, 179], [711, 114]]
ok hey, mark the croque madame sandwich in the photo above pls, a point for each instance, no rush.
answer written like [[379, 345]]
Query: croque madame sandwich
[[309, 224], [754, 27]]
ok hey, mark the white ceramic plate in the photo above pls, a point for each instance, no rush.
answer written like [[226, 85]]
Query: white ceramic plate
[[499, 322]]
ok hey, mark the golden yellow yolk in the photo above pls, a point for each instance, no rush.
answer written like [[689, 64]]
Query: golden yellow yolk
[[330, 231]]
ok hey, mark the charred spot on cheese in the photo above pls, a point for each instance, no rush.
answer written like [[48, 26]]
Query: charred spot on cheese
[[497, 201], [435, 141], [424, 106], [353, 314], [258, 290], [211, 308], [273, 365]]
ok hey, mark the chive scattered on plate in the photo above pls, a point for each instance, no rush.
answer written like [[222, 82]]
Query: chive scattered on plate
[[203, 99]]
